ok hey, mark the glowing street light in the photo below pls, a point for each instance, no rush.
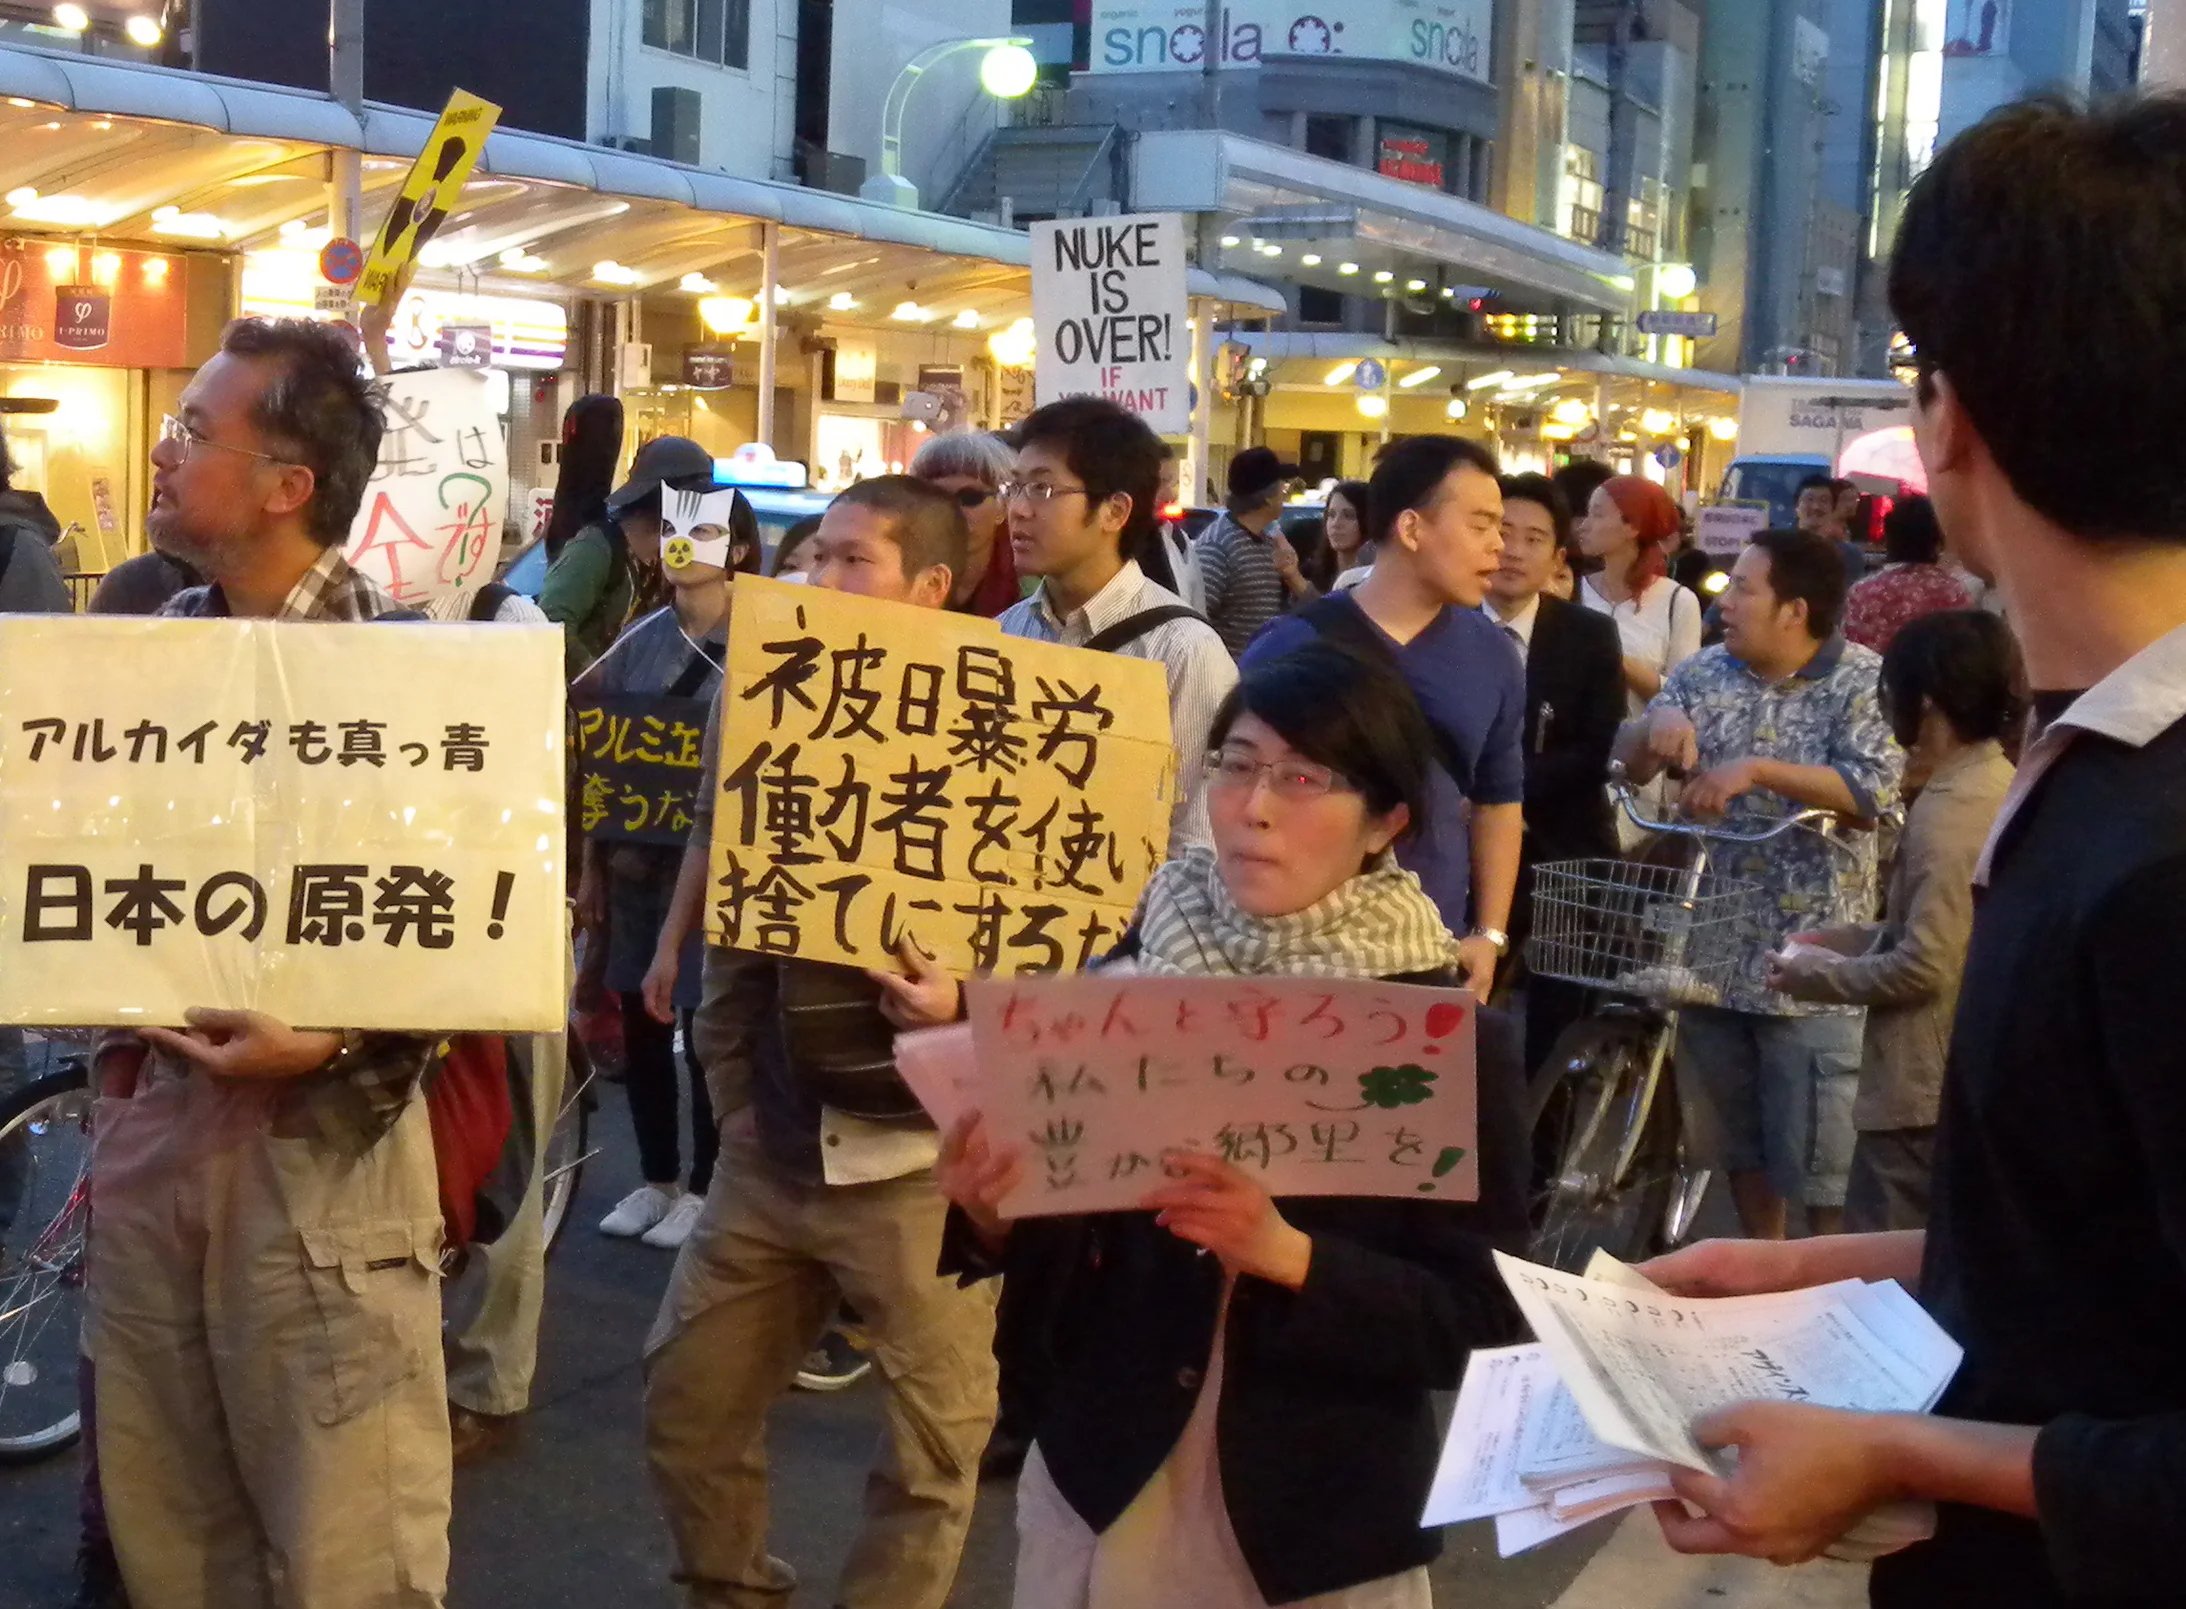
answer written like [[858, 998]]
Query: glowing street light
[[1007, 71]]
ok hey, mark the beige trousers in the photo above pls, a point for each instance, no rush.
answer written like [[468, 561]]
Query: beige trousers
[[752, 1291], [264, 1314]]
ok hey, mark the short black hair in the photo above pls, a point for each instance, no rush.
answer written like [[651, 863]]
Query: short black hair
[[1408, 473], [1579, 480], [1532, 488], [929, 526], [318, 411], [1110, 450], [1816, 483], [1962, 661], [793, 539], [1910, 534], [1342, 710], [1807, 568], [2041, 267]]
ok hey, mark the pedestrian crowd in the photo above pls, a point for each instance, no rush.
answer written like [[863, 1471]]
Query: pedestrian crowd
[[1940, 1054]]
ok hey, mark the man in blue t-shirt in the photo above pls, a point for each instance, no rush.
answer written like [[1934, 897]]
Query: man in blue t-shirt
[[1435, 515]]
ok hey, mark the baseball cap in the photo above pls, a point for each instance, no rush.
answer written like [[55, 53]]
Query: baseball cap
[[1255, 469], [663, 459]]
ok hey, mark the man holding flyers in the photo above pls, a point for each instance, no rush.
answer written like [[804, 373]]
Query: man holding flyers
[[825, 1192], [264, 1300], [2056, 1253]]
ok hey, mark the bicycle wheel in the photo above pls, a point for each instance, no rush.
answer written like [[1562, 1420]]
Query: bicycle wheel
[[45, 1202], [1589, 1099], [568, 1146]]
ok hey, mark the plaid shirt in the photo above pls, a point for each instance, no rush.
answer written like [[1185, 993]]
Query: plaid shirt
[[356, 1097]]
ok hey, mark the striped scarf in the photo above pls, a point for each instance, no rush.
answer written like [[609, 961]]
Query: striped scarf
[[1378, 925]]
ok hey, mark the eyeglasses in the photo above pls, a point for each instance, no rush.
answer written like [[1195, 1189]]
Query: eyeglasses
[[971, 496], [174, 430], [1292, 781], [1037, 491]]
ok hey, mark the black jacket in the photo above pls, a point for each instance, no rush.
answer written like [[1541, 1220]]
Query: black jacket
[[1574, 705], [1325, 1432]]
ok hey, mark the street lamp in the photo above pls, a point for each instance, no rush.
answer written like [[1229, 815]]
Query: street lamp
[[1008, 71]]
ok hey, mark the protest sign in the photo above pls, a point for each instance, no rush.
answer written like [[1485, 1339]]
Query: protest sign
[[355, 826], [1108, 300], [639, 766], [1722, 530], [428, 194], [887, 771], [431, 519], [1315, 1087]]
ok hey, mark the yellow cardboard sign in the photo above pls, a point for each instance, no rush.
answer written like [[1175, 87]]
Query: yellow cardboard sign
[[428, 193], [887, 770], [347, 826]]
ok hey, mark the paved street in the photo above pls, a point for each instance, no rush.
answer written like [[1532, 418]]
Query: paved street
[[564, 1517]]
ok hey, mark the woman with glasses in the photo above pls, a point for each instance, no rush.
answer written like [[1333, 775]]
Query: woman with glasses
[[971, 466], [1239, 1413]]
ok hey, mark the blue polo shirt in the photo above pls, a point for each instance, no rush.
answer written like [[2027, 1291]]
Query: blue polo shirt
[[1471, 684]]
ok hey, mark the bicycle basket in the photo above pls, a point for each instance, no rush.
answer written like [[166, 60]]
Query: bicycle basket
[[1654, 931]]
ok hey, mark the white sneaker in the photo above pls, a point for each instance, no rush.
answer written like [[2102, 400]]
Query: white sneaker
[[639, 1211], [673, 1230]]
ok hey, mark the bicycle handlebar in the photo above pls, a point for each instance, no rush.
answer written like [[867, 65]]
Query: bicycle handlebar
[[1627, 796]]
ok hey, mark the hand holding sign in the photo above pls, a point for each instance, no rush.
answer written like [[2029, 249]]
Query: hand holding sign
[[1223, 1210]]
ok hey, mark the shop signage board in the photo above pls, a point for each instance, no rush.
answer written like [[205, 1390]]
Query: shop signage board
[[707, 369], [466, 346], [431, 520], [63, 303], [429, 193], [891, 772], [1668, 321], [1170, 36], [1109, 302], [275, 815], [1310, 1086], [1415, 155]]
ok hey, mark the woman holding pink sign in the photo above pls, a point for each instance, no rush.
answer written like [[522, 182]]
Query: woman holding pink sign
[[1238, 1413]]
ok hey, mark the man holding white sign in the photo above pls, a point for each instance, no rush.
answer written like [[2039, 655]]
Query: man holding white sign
[[264, 1304]]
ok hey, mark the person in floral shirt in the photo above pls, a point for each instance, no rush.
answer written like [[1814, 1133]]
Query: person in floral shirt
[[1913, 582], [1781, 717]]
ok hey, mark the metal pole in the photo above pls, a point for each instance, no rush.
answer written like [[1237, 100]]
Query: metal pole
[[345, 81], [1198, 486], [770, 235]]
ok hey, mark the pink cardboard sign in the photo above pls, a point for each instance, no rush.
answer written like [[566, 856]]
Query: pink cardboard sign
[[1316, 1087], [937, 1064]]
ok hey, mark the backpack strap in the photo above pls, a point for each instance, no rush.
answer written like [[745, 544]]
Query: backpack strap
[[704, 663], [1132, 627], [1340, 620], [487, 600]]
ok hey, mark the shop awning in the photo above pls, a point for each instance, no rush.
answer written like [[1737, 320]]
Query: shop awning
[[128, 151], [1457, 362], [1305, 217]]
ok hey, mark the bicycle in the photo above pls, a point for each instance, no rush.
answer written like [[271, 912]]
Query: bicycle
[[568, 1145], [45, 1143], [1606, 1117]]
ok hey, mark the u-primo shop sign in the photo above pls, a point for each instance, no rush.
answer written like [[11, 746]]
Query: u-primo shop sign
[[1108, 299]]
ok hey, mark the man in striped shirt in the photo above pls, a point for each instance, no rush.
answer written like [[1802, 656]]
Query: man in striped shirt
[[1247, 566], [1082, 504]]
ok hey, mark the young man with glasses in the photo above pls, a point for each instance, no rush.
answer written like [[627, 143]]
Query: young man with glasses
[[1081, 508], [264, 1306]]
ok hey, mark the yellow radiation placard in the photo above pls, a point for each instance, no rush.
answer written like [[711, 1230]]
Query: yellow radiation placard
[[429, 193]]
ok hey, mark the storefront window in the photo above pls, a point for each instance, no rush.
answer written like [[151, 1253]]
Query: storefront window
[[76, 452]]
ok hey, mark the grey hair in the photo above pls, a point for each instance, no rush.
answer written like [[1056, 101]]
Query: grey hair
[[972, 453]]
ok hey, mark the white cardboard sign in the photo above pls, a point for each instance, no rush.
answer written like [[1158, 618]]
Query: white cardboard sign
[[1109, 302]]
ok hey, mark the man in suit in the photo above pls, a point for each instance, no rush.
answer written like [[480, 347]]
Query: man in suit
[[1574, 702]]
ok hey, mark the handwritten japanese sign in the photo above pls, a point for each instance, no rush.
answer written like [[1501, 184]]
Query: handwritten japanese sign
[[889, 770], [639, 766], [1315, 1087], [431, 519], [354, 826]]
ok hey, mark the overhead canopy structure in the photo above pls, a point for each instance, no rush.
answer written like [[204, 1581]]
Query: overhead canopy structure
[[127, 151]]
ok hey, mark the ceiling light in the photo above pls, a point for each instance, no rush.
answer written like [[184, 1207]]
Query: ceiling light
[[1482, 382], [1311, 259], [70, 18], [1531, 382], [1415, 284], [1340, 373], [966, 320], [1015, 347], [102, 124], [1449, 293], [1271, 249], [1372, 404], [1347, 268], [1723, 428], [1228, 241], [1383, 276], [841, 302], [188, 225], [294, 227], [1571, 411], [610, 272], [20, 104], [1658, 421], [697, 285], [1420, 377], [1455, 408], [519, 261], [908, 313], [726, 315], [21, 196], [143, 30]]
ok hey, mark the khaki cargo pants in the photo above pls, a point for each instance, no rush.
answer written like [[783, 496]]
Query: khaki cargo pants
[[264, 1315], [753, 1289]]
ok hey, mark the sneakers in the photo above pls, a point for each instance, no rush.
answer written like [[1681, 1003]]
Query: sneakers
[[832, 1365], [673, 1230], [639, 1211]]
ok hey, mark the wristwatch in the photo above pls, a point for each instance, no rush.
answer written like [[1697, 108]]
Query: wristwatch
[[1495, 936]]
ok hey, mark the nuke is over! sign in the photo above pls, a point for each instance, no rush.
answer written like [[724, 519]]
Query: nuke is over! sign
[[1108, 298]]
